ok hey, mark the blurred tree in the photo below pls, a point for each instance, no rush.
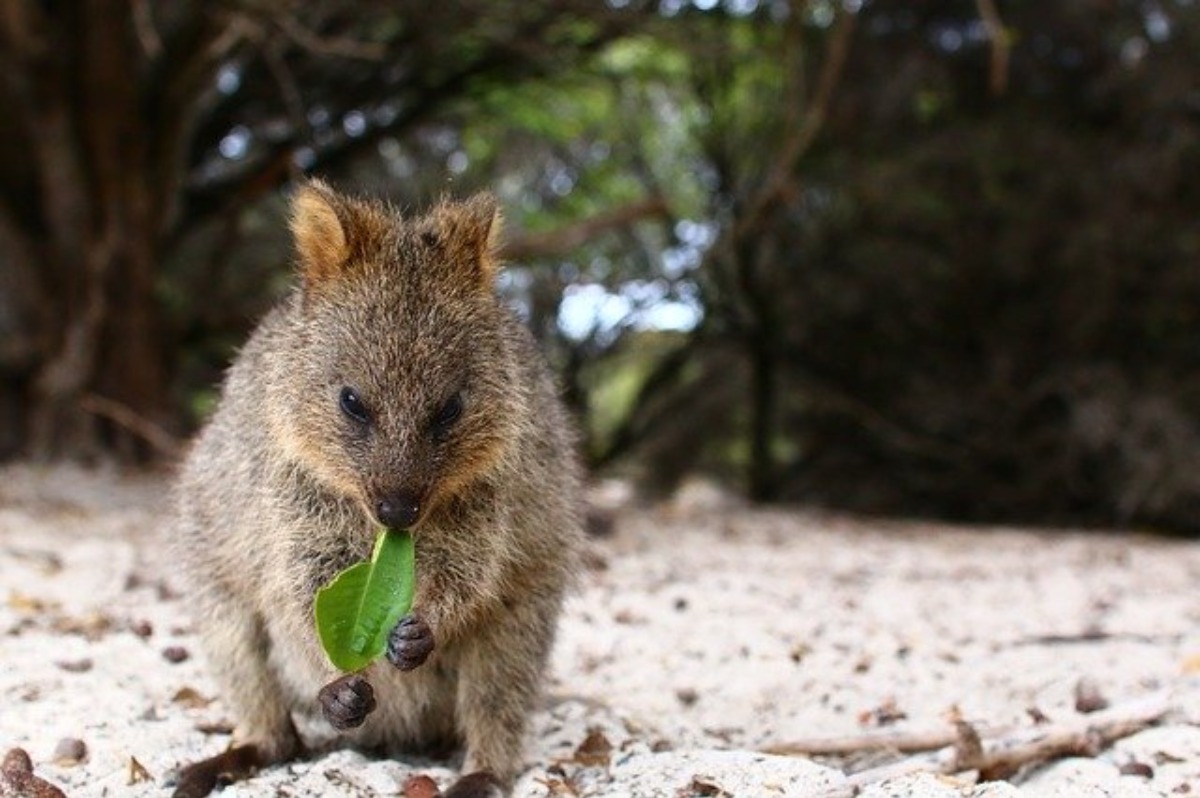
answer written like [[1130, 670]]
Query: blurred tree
[[1001, 297], [974, 294], [931, 258], [762, 82], [127, 124]]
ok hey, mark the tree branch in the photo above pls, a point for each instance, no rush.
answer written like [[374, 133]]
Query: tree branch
[[143, 25], [502, 60], [639, 419], [1001, 46], [564, 239], [209, 41], [125, 417], [782, 174], [339, 46]]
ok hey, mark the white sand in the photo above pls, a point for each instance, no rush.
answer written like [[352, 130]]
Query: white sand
[[705, 634]]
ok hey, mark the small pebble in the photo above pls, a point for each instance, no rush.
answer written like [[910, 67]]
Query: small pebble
[[1137, 769], [420, 787], [175, 654], [1088, 697], [687, 696], [17, 778], [70, 751], [75, 666]]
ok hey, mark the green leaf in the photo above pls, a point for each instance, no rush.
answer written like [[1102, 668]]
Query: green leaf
[[358, 609]]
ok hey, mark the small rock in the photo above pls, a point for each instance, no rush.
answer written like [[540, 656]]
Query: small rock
[[69, 751], [420, 786], [1088, 697], [191, 698], [175, 654], [16, 764], [1137, 769], [75, 666], [687, 696], [706, 787], [626, 617], [17, 778], [1037, 716]]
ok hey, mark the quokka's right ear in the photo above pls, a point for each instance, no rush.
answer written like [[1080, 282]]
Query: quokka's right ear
[[333, 233], [322, 244]]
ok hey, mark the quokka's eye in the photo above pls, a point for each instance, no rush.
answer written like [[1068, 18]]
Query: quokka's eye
[[450, 411], [352, 405]]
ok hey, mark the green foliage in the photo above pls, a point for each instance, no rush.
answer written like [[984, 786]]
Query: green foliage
[[947, 290], [356, 612]]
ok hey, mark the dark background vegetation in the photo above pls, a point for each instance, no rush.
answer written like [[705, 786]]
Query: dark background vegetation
[[936, 258]]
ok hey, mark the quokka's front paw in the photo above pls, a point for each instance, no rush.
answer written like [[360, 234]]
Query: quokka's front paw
[[410, 642], [347, 701]]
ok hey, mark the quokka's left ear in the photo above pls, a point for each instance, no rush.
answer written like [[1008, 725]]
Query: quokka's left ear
[[469, 235]]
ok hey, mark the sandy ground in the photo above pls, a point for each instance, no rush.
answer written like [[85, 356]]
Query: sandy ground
[[703, 636]]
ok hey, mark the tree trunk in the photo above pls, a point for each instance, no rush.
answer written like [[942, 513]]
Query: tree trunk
[[764, 395], [98, 230]]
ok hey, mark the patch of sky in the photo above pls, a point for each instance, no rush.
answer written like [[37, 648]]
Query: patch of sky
[[592, 310], [318, 116], [354, 124], [229, 79], [1157, 24], [457, 162], [235, 144]]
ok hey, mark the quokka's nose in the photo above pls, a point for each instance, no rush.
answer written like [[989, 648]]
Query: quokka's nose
[[399, 511]]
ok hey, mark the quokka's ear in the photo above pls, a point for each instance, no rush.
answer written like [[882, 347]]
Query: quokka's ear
[[331, 231], [469, 235], [322, 246]]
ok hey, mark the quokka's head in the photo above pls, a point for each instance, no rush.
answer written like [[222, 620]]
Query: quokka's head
[[399, 385]]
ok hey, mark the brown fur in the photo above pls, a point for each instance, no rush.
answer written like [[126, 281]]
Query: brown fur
[[279, 491]]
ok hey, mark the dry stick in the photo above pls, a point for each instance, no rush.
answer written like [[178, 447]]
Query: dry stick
[[1085, 734], [902, 741], [123, 416]]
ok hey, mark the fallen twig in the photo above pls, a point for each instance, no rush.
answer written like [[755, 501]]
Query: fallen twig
[[1092, 636], [901, 741], [1084, 735]]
